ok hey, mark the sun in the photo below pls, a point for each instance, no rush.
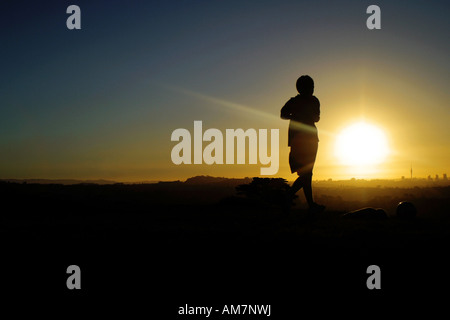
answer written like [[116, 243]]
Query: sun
[[361, 144]]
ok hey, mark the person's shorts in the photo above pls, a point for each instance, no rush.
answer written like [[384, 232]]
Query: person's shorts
[[303, 154]]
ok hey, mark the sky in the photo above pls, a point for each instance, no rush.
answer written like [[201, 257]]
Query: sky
[[102, 102]]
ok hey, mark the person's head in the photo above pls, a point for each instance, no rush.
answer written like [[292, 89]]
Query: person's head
[[305, 85]]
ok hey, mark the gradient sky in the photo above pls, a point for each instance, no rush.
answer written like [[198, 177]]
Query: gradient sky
[[102, 102]]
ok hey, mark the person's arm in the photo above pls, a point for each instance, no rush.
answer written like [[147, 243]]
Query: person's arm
[[286, 111], [316, 116]]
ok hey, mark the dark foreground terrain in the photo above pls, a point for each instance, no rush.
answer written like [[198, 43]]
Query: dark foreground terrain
[[152, 248]]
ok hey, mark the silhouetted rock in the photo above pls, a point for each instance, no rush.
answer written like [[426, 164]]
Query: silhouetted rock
[[406, 210], [367, 214], [266, 191]]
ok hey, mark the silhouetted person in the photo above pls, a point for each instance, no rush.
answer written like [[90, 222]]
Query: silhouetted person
[[303, 111]]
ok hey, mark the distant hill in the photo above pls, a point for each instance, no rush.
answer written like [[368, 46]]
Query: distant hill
[[202, 180], [59, 181], [232, 182], [197, 180]]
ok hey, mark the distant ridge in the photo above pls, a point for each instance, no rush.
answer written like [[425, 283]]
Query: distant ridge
[[232, 182], [216, 180], [59, 181], [197, 180]]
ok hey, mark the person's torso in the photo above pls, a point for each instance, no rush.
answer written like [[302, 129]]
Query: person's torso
[[305, 111]]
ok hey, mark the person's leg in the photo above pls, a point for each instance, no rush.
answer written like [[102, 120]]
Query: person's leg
[[297, 185], [307, 189], [303, 181]]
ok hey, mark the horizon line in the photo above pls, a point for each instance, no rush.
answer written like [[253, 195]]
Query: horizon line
[[433, 179]]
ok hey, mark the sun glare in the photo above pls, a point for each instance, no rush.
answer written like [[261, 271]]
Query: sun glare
[[361, 144]]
